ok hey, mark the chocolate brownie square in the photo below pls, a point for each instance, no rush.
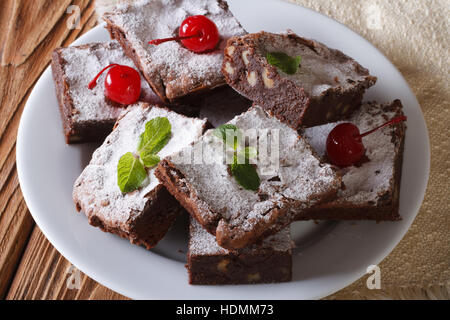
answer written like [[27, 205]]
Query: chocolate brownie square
[[371, 188], [209, 264], [173, 71], [328, 85], [87, 115], [291, 176], [145, 215]]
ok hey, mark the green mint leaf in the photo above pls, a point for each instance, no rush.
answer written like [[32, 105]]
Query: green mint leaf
[[245, 175], [244, 155], [250, 153], [230, 134], [284, 62], [158, 146], [149, 159], [156, 135], [130, 173]]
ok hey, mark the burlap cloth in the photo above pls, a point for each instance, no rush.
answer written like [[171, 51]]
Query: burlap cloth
[[414, 35]]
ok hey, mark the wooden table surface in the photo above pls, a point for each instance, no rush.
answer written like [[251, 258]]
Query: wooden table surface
[[30, 268]]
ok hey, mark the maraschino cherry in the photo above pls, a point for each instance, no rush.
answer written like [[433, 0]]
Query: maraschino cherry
[[197, 33], [122, 84], [344, 143]]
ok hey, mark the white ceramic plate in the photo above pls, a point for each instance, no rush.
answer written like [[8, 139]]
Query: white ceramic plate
[[329, 256]]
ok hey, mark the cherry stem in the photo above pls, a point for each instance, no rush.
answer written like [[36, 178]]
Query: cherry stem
[[391, 122], [157, 42], [93, 83]]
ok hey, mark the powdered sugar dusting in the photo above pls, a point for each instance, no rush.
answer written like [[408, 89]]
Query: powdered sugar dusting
[[320, 70], [178, 68], [203, 243], [365, 183], [97, 191], [296, 181], [81, 66]]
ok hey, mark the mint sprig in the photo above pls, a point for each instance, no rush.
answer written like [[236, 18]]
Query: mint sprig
[[245, 174], [130, 173], [149, 159], [131, 169], [284, 62]]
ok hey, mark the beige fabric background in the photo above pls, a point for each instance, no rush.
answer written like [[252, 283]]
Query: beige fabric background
[[414, 35]]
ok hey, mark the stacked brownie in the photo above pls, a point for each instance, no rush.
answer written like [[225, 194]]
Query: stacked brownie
[[173, 71], [236, 216], [239, 232], [327, 87], [265, 262], [372, 188]]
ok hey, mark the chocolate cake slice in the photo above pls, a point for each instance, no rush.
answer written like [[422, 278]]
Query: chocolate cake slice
[[290, 174], [328, 86], [209, 264], [145, 215], [222, 105], [371, 188], [173, 71], [87, 115]]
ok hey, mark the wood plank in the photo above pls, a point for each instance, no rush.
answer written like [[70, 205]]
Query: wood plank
[[6, 8], [15, 227], [45, 274], [16, 83]]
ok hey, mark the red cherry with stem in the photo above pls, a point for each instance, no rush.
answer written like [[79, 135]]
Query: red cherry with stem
[[122, 84], [344, 147], [344, 143], [197, 33]]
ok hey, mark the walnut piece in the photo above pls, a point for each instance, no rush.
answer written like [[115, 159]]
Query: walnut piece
[[329, 114], [346, 108], [269, 83], [228, 68], [245, 57], [222, 265], [253, 277], [231, 50], [252, 79]]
